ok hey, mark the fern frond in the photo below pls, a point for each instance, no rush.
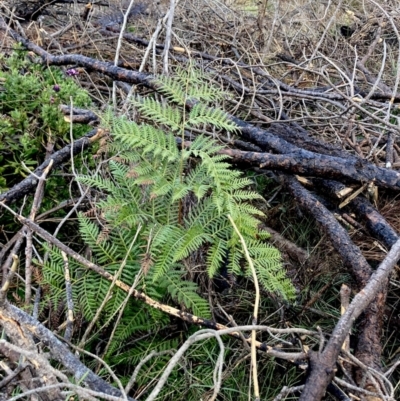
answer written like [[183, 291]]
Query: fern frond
[[205, 145], [165, 243], [133, 320], [148, 183], [147, 137], [106, 251], [194, 81], [180, 190], [98, 182]]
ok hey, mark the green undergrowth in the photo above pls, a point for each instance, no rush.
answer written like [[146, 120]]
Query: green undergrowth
[[31, 122], [32, 127]]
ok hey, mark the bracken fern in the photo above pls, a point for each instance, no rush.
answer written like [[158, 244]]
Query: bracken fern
[[148, 184]]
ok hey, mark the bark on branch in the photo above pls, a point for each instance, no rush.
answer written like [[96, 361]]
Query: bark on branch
[[14, 320]]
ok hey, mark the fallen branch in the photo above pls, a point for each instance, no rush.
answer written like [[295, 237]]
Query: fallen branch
[[307, 163], [29, 183], [375, 222], [14, 320]]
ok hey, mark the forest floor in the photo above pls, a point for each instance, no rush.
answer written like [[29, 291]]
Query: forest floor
[[314, 90]]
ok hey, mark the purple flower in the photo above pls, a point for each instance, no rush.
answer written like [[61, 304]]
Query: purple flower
[[72, 72], [56, 88]]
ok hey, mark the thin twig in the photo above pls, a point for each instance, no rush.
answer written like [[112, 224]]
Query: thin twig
[[256, 306]]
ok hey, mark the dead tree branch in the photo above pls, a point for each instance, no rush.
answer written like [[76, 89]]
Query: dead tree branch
[[29, 183]]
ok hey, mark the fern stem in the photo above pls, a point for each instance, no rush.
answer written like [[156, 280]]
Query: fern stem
[[255, 314]]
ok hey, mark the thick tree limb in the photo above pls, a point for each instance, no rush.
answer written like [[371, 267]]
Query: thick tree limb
[[305, 162]]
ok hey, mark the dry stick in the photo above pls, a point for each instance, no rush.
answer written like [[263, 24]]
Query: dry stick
[[106, 366], [286, 391], [150, 45], [6, 247], [83, 393], [168, 34], [17, 245], [256, 306], [377, 82], [389, 106], [11, 374], [389, 150], [331, 21], [354, 102], [375, 222], [13, 359], [378, 375], [356, 389], [6, 285], [392, 23], [70, 301], [37, 200], [61, 156], [152, 354], [199, 336], [117, 51], [345, 292]]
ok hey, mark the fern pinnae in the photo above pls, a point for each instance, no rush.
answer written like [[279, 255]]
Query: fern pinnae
[[161, 187], [98, 182], [180, 190], [164, 244], [90, 233], [160, 113], [215, 256], [172, 89], [192, 240], [201, 114], [186, 293]]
